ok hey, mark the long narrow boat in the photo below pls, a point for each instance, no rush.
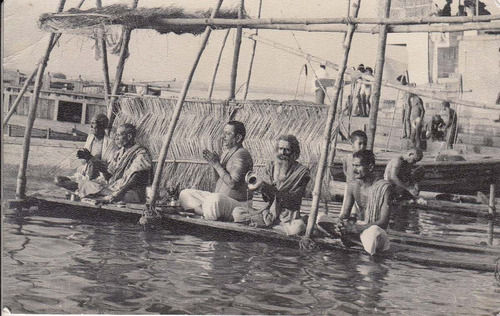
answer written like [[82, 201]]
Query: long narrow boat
[[405, 247], [461, 177]]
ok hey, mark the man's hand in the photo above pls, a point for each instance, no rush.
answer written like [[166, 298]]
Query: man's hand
[[84, 154], [256, 184], [211, 157]]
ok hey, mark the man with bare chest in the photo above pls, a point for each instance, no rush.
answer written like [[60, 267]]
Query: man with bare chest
[[372, 195], [283, 186], [416, 119]]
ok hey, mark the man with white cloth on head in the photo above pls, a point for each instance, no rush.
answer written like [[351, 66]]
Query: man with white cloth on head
[[230, 190], [373, 197]]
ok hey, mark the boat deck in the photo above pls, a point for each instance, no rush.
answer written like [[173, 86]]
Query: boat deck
[[405, 246]]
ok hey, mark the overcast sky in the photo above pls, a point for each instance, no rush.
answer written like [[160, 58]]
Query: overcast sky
[[163, 57]]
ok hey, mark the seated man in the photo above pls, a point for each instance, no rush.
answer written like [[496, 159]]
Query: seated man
[[95, 146], [127, 174], [283, 187], [373, 197], [229, 170], [399, 173]]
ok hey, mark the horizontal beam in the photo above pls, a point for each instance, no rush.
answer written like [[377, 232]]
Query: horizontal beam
[[271, 21]]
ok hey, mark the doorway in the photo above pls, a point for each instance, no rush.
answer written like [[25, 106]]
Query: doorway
[[69, 112]]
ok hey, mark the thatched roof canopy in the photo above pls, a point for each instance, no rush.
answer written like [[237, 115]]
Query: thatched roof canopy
[[88, 21]]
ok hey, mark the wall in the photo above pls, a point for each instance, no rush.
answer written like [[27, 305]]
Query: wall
[[479, 64]]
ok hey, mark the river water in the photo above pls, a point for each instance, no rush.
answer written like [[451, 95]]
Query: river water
[[83, 265]]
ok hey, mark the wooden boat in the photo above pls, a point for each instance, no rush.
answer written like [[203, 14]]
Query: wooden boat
[[405, 247], [461, 177]]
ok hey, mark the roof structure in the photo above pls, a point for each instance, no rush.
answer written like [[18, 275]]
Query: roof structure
[[87, 22]]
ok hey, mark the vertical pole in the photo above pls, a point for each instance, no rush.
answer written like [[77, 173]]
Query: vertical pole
[[379, 70], [56, 109], [177, 110], [104, 51], [254, 46], [21, 176], [212, 82], [84, 113], [392, 122], [329, 124], [112, 105], [237, 45], [491, 212]]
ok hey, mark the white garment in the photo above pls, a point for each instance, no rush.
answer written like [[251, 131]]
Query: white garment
[[374, 239], [321, 73], [215, 206]]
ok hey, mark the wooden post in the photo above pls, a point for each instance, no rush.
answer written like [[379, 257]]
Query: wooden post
[[21, 176], [104, 52], [329, 123], [112, 106], [177, 111], [84, 113], [491, 212], [379, 70], [212, 82], [254, 47], [236, 56], [48, 133]]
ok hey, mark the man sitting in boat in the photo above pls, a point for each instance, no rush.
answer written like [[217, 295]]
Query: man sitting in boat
[[95, 146], [373, 196], [283, 186], [126, 176], [399, 173], [229, 170]]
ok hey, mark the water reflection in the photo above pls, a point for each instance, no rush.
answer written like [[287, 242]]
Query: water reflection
[[79, 265]]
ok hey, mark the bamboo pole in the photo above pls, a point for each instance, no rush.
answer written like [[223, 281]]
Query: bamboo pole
[[254, 47], [19, 97], [212, 82], [291, 50], [113, 106], [491, 212], [379, 70], [236, 56], [251, 23], [177, 111], [21, 176], [104, 51], [329, 123], [438, 96]]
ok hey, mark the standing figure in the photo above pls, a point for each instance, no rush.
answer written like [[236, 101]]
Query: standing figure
[[319, 84], [366, 90], [406, 114], [357, 99], [451, 124], [416, 119], [283, 186], [229, 170]]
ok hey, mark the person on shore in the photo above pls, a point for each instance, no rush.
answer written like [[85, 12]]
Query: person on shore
[[451, 124], [229, 170], [416, 119], [127, 174], [320, 84], [366, 90], [434, 129], [358, 109], [406, 114], [399, 174], [283, 186], [373, 197], [95, 146]]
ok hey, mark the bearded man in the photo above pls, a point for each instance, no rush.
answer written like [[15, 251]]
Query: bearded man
[[283, 186], [229, 170]]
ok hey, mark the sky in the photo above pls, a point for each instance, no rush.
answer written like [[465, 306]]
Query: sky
[[156, 57]]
